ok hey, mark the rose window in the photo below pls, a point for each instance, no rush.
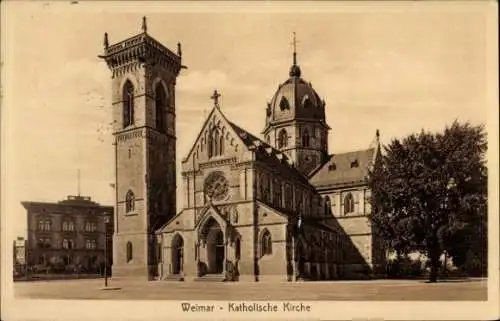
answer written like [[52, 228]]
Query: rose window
[[216, 186]]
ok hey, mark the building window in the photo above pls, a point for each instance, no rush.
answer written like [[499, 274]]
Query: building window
[[90, 227], [65, 244], [282, 139], [160, 107], [307, 103], [129, 251], [90, 244], [41, 225], [129, 202], [284, 103], [68, 226], [128, 104], [277, 193], [354, 163], [266, 243], [348, 203], [238, 249], [264, 188], [41, 260], [268, 140], [305, 138], [328, 205], [215, 143]]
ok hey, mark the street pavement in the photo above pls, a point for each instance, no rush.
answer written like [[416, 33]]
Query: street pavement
[[380, 290]]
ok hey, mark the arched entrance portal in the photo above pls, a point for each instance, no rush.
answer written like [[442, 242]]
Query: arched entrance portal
[[177, 254], [215, 246]]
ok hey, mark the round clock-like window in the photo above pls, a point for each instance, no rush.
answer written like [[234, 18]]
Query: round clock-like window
[[216, 186]]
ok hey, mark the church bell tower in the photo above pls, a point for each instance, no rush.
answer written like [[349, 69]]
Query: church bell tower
[[143, 78]]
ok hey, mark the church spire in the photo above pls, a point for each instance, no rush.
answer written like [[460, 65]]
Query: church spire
[[295, 69]]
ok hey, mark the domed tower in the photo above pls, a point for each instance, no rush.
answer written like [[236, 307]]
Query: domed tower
[[295, 122]]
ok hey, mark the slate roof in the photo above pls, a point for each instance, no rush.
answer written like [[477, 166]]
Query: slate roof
[[268, 154], [343, 169]]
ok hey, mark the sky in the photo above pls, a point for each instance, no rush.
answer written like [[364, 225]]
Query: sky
[[396, 67]]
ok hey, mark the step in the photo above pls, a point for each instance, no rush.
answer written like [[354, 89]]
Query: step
[[174, 277], [211, 278]]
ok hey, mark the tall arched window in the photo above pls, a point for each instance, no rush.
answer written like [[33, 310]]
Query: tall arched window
[[71, 226], [328, 205], [160, 107], [129, 251], [215, 143], [65, 244], [129, 202], [282, 139], [128, 104], [65, 226], [277, 193], [266, 244], [305, 138], [237, 249], [264, 188], [348, 203]]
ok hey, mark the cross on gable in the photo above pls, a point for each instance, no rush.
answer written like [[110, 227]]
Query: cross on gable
[[215, 98]]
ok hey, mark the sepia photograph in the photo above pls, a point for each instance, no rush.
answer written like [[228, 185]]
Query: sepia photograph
[[236, 160]]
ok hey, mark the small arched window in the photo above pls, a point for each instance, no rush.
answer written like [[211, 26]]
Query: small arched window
[[284, 104], [307, 103], [305, 138], [128, 104], [129, 251], [348, 203], [266, 243], [129, 202], [160, 107], [282, 139]]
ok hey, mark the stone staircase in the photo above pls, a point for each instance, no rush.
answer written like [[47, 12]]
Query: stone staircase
[[211, 278]]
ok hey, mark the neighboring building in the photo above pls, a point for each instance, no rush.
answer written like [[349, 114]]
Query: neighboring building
[[69, 233], [19, 247], [280, 208]]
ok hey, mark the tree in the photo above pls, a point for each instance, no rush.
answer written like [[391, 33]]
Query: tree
[[429, 193]]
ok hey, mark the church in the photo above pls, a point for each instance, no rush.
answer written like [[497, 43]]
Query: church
[[275, 208]]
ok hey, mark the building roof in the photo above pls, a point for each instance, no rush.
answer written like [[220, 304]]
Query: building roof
[[343, 169], [268, 154], [81, 201]]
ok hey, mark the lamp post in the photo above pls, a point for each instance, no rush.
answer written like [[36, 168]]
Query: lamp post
[[106, 221]]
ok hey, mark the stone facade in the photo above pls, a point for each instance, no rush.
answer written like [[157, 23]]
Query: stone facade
[[253, 209], [72, 231]]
